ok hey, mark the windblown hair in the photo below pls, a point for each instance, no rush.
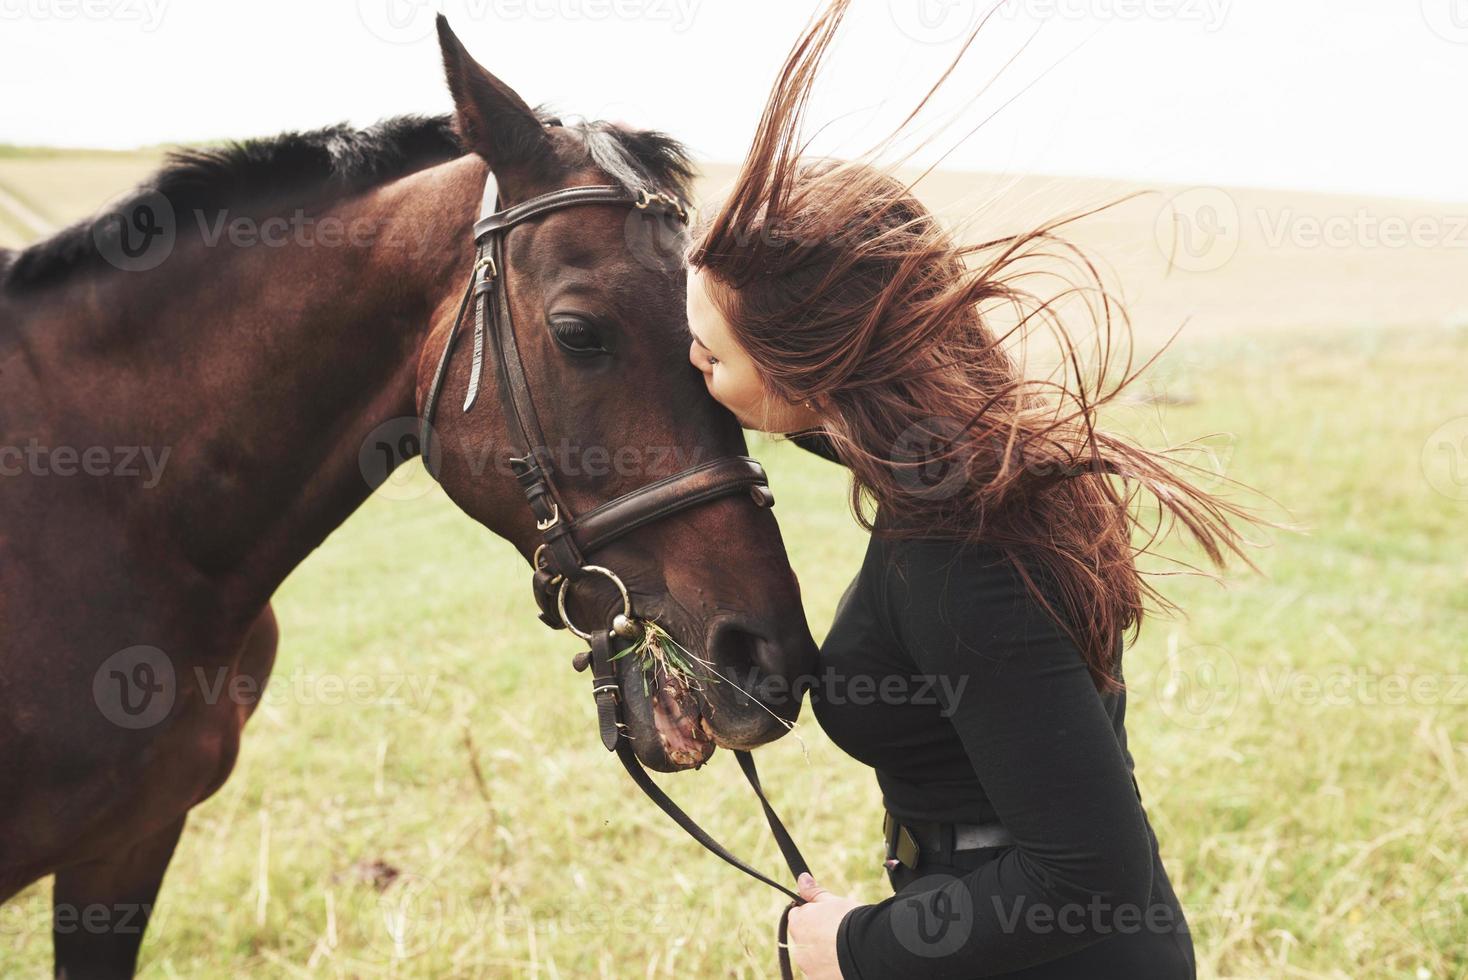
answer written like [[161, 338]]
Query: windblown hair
[[842, 287]]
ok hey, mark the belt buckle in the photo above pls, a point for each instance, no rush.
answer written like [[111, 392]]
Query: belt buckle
[[901, 845]]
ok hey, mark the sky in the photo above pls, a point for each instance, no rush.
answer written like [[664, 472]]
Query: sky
[[1357, 96]]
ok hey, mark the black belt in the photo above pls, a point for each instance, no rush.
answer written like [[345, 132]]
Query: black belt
[[909, 842]]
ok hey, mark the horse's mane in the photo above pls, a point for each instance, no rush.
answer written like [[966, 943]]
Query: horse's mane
[[333, 162]]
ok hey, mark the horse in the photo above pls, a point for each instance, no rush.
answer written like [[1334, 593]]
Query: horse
[[201, 384]]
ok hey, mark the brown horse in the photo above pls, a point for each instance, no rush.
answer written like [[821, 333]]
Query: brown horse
[[200, 387]]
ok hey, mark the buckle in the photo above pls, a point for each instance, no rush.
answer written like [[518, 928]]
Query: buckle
[[551, 521], [646, 199], [902, 846]]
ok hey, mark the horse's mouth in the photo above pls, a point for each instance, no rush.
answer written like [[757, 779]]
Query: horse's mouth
[[674, 720], [678, 723], [665, 718]]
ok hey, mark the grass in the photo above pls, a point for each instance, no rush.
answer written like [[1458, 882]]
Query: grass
[[660, 657], [1301, 738]]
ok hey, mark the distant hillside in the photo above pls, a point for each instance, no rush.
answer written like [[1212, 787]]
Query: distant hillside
[[1240, 258]]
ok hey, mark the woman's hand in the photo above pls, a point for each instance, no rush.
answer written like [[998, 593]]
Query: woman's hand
[[813, 929]]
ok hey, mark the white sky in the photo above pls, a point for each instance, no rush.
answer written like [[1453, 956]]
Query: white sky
[[1341, 95]]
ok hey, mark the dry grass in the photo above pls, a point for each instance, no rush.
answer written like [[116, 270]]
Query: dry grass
[[423, 793]]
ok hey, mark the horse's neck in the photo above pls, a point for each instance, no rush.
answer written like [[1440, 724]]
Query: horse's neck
[[265, 369]]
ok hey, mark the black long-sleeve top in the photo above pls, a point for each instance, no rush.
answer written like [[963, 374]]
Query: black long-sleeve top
[[946, 676]]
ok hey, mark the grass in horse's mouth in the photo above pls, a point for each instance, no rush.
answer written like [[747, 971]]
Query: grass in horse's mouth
[[656, 650]]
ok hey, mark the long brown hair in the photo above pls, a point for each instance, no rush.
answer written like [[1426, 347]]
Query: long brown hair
[[842, 287]]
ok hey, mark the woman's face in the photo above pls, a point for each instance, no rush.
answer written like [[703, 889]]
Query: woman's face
[[730, 374]]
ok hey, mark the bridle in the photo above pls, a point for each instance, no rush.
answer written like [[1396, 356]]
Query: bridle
[[566, 539]]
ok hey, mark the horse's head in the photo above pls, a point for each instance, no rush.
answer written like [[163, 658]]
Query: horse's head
[[596, 296]]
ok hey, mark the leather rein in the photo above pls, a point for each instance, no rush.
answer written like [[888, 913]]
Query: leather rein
[[566, 539]]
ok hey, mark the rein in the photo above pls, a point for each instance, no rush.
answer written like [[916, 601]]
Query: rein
[[559, 560]]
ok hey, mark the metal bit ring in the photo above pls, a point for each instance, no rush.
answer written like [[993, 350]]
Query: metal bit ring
[[623, 624]]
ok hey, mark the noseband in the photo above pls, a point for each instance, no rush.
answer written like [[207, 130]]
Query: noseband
[[559, 560]]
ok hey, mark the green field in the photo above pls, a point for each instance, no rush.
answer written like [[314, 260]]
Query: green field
[[1301, 737]]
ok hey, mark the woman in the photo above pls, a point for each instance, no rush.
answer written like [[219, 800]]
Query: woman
[[825, 302]]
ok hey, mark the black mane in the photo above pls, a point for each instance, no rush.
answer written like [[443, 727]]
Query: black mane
[[335, 161]]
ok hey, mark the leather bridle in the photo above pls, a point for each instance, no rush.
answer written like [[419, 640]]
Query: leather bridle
[[566, 539]]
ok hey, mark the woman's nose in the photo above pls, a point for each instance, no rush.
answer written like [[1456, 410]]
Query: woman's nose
[[693, 357]]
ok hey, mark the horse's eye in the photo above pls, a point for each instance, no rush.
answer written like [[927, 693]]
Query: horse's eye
[[576, 336]]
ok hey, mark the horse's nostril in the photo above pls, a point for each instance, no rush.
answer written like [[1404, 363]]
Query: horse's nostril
[[741, 653], [763, 690]]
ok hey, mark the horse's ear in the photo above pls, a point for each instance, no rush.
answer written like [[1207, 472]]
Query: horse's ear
[[492, 119]]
